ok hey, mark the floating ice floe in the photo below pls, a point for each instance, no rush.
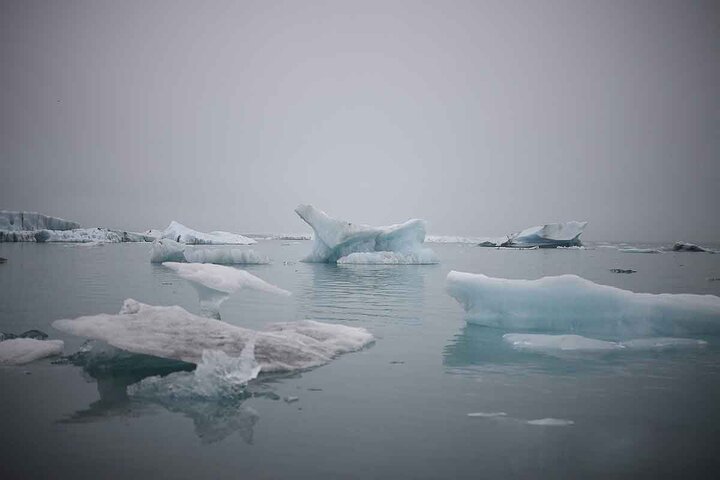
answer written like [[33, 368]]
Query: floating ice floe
[[182, 234], [423, 257], [18, 351], [176, 334], [487, 414], [335, 239], [166, 250], [689, 247], [639, 250], [569, 303], [222, 278], [577, 343], [550, 235], [484, 241], [551, 422]]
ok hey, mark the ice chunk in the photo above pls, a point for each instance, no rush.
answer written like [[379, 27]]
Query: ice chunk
[[569, 303], [335, 238], [166, 250], [26, 221], [87, 235], [423, 256], [18, 351], [551, 422], [623, 270], [689, 247], [222, 278], [523, 341], [550, 235], [180, 233], [487, 414], [176, 334], [639, 250]]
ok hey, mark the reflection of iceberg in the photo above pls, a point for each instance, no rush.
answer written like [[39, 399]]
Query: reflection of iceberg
[[166, 250], [180, 233], [568, 303], [577, 343], [18, 351], [176, 334], [335, 239]]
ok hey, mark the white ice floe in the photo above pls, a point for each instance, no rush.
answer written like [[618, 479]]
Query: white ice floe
[[18, 351], [180, 233], [487, 414], [335, 239], [222, 278], [28, 221], [175, 333], [572, 304], [166, 250], [639, 250], [551, 422], [577, 343]]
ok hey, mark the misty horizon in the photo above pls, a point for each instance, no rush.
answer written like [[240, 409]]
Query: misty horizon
[[482, 118]]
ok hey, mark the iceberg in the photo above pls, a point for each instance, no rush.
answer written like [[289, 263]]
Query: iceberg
[[176, 334], [18, 351], [166, 250], [335, 239], [182, 234], [550, 235], [28, 221], [568, 303], [89, 235]]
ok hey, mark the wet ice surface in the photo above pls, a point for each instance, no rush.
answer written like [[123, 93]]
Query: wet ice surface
[[396, 410]]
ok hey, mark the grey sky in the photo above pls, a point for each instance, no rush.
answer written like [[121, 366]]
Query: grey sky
[[481, 117]]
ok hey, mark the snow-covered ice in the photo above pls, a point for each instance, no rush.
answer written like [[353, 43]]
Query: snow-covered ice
[[180, 233], [166, 250], [335, 239], [27, 221], [572, 304], [176, 334], [18, 351]]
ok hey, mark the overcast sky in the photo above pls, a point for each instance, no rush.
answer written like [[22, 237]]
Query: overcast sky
[[481, 117]]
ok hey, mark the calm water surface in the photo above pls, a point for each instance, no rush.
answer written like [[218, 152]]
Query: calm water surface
[[398, 409]]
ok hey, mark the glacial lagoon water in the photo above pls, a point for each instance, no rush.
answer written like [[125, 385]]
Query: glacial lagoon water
[[433, 397]]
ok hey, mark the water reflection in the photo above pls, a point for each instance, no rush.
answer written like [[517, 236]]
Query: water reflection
[[214, 419], [364, 293]]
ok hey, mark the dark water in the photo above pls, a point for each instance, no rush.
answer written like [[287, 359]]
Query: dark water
[[395, 410]]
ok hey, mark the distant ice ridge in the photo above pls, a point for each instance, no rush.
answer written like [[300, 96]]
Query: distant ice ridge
[[166, 250], [182, 234], [335, 239], [87, 235], [569, 303], [577, 343], [27, 221], [18, 351], [176, 334]]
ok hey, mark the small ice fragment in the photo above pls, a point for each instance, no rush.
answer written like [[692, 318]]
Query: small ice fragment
[[291, 399], [18, 351], [623, 270], [487, 414], [551, 422]]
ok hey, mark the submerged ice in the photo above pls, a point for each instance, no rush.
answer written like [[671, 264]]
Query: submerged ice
[[176, 334], [571, 304], [577, 343], [337, 240]]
